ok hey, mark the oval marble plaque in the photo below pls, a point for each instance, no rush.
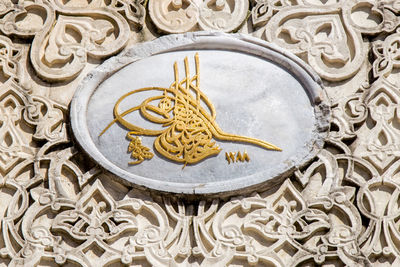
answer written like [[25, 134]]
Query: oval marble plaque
[[201, 113]]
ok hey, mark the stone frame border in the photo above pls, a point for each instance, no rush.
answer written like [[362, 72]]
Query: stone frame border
[[202, 41]]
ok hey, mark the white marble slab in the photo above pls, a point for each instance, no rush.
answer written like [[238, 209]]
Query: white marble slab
[[258, 91]]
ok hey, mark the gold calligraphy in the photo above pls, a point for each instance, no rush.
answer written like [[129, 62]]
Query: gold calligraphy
[[190, 128], [233, 157], [137, 150]]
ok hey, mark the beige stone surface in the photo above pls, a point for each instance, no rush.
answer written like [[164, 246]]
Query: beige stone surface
[[58, 208]]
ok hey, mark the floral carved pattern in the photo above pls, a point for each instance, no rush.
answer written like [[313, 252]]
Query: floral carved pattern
[[65, 36], [178, 16], [58, 208]]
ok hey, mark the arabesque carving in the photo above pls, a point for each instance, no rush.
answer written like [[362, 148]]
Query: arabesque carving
[[178, 16], [65, 35], [327, 34], [58, 208]]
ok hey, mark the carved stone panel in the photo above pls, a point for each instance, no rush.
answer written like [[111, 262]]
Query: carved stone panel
[[58, 208]]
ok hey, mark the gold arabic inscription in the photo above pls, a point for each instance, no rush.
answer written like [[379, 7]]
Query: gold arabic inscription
[[232, 157], [190, 128]]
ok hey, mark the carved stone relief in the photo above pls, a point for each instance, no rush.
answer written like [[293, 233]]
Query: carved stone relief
[[58, 208], [178, 16]]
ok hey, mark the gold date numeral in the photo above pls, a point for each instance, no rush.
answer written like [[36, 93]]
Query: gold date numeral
[[233, 157]]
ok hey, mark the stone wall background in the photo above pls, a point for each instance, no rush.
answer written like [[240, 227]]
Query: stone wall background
[[58, 207]]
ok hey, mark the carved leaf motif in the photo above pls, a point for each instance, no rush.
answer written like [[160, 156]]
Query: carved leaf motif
[[388, 55], [383, 214], [380, 144], [65, 36], [174, 16], [27, 19], [373, 17], [62, 52], [134, 11], [10, 55], [178, 16], [261, 13], [14, 146], [223, 15], [96, 215], [47, 116], [321, 34]]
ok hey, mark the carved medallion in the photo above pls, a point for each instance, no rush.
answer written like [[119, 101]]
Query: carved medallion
[[149, 117]]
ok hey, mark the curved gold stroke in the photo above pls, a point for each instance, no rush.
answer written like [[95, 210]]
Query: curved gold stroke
[[191, 128]]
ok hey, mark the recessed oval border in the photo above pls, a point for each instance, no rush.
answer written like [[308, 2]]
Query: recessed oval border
[[201, 41]]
